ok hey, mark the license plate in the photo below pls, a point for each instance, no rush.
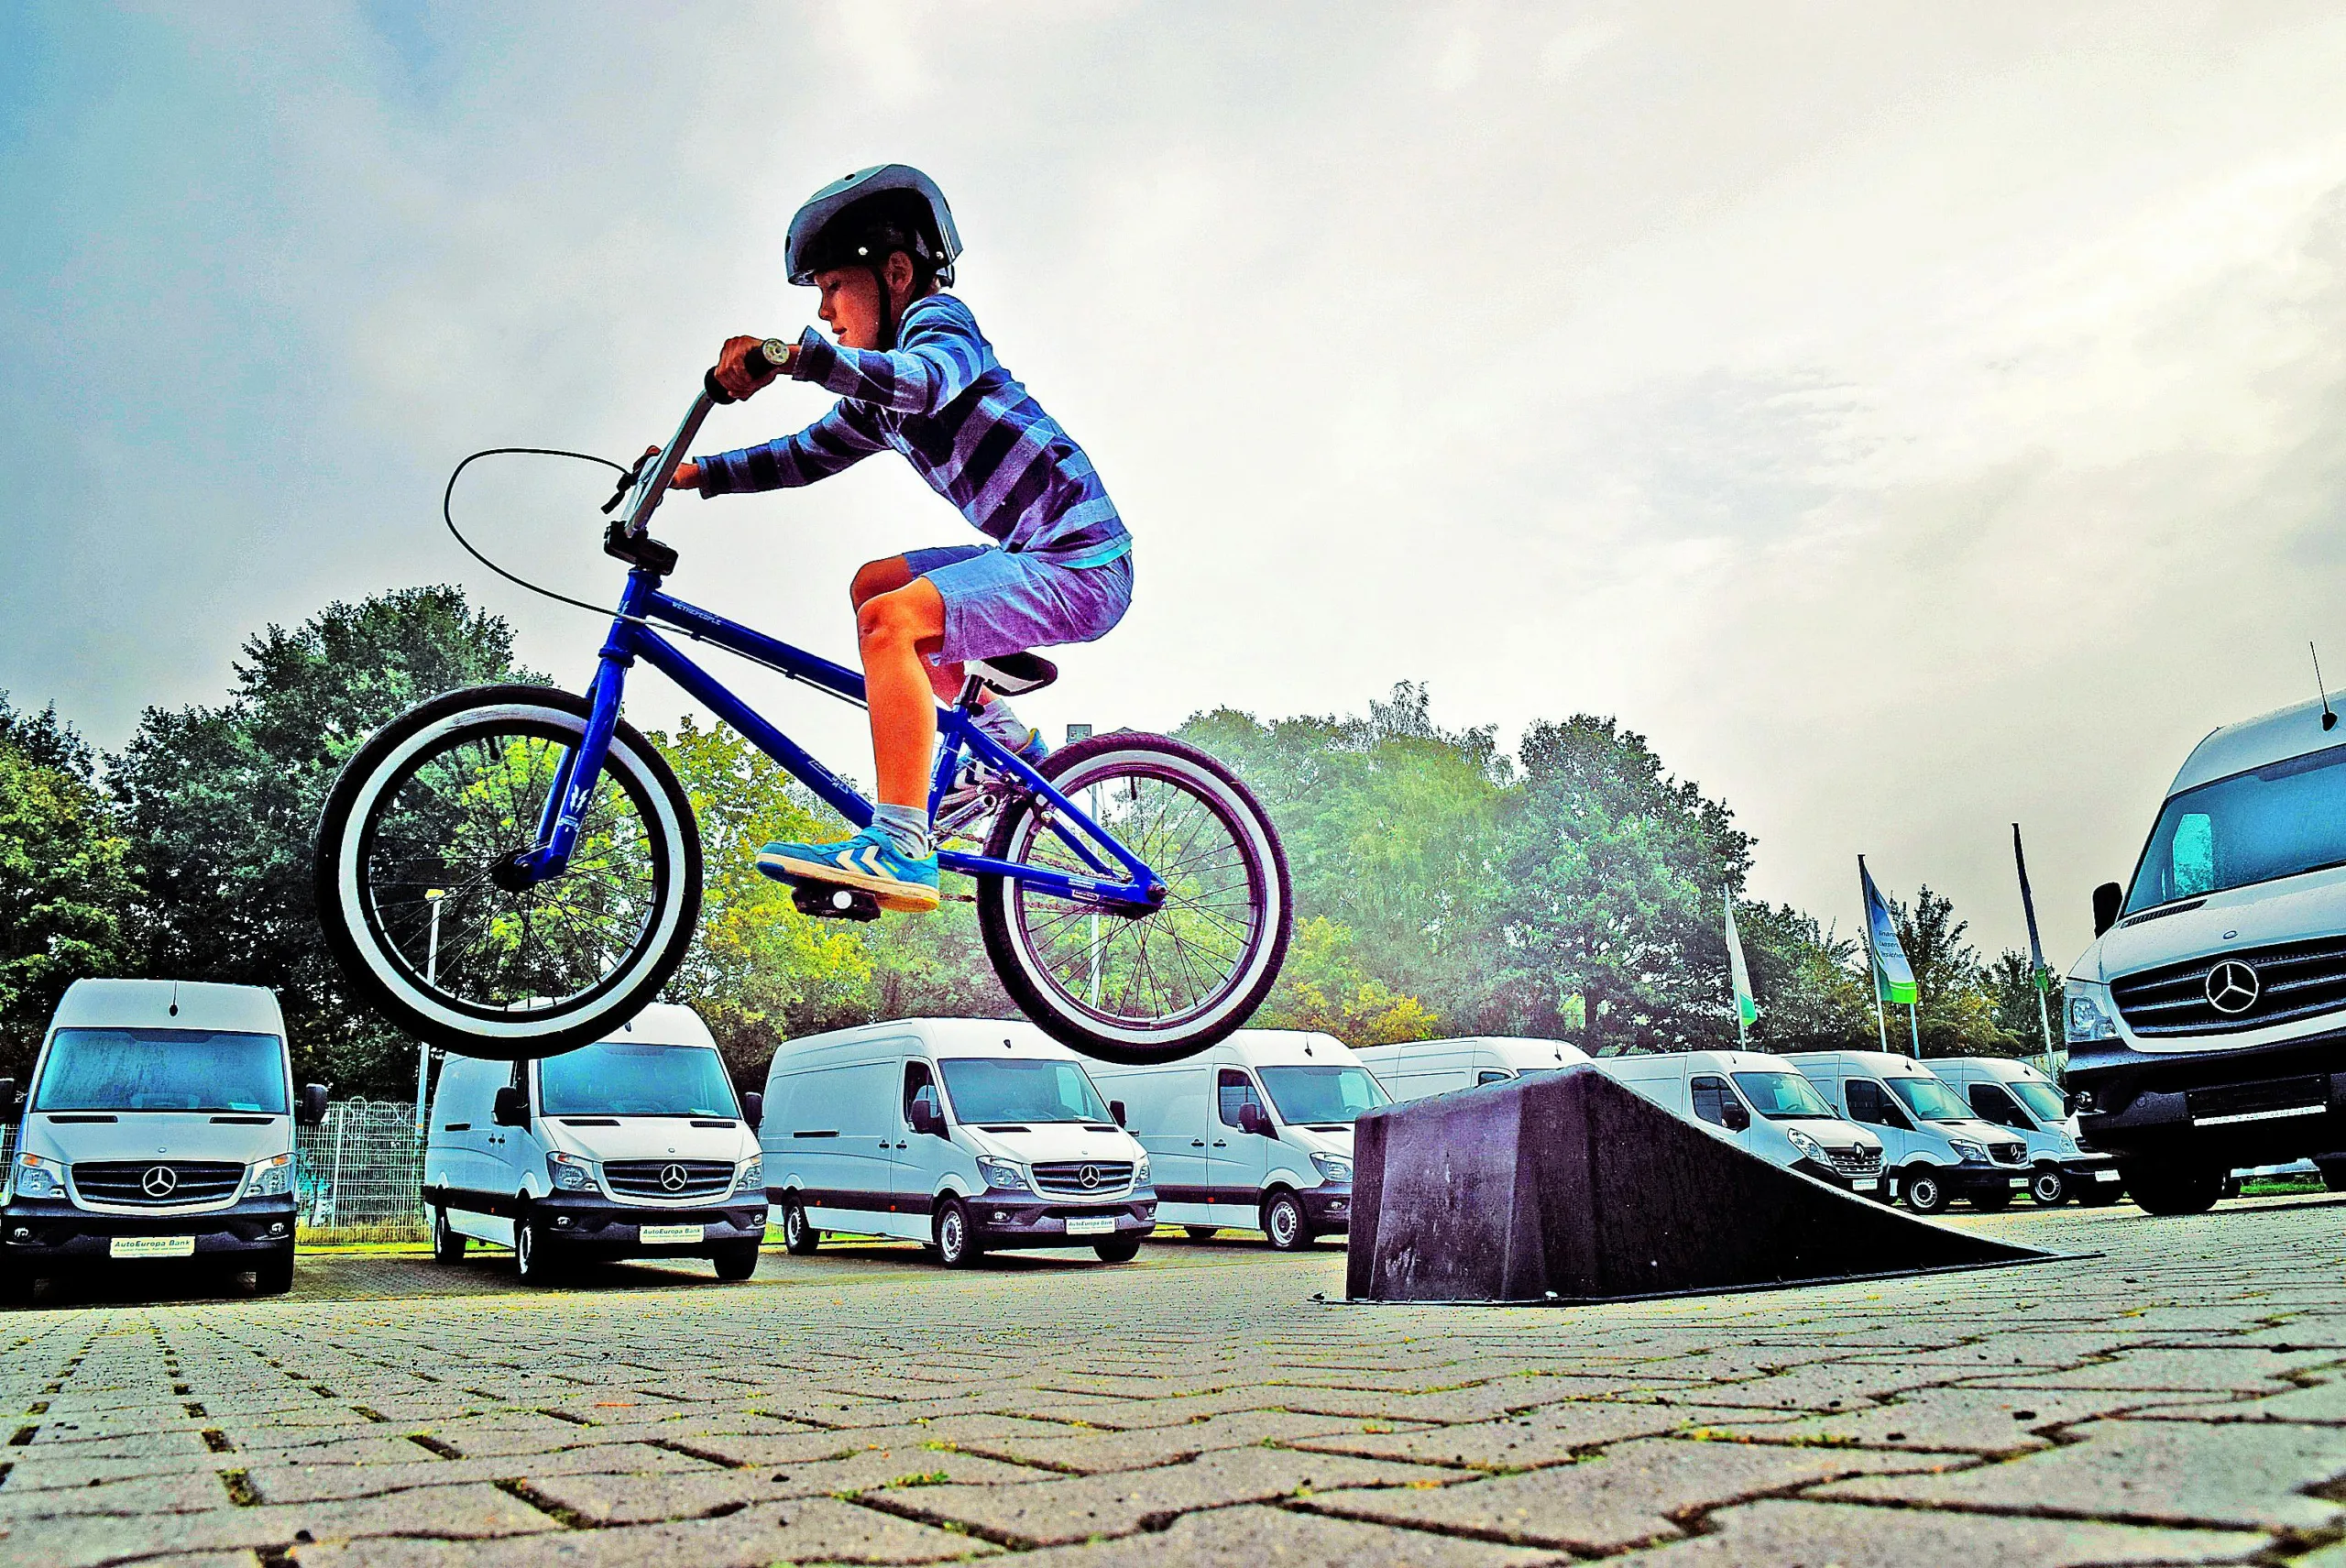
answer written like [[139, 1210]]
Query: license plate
[[1091, 1225], [2105, 1176], [671, 1235], [151, 1246], [2019, 1181], [1864, 1184]]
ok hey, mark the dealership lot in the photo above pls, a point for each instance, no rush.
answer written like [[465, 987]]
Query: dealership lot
[[2178, 1398]]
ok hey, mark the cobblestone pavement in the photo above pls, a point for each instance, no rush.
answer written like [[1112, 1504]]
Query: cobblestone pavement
[[2179, 1398]]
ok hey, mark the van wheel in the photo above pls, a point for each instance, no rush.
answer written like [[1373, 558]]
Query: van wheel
[[957, 1237], [274, 1277], [735, 1260], [2162, 1190], [447, 1245], [1200, 1232], [2048, 1187], [1924, 1193], [799, 1236], [1283, 1221], [1123, 1249], [530, 1256]]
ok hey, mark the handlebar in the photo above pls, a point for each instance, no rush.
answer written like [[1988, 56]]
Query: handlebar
[[651, 479], [765, 359]]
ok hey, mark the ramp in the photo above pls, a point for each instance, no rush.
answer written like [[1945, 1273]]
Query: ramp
[[1569, 1187]]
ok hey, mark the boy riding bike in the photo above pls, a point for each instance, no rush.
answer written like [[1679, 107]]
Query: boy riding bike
[[914, 373]]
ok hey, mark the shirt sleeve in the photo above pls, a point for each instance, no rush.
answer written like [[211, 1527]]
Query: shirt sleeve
[[939, 354], [843, 437]]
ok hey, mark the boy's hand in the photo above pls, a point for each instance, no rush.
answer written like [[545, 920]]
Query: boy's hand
[[687, 474], [732, 370]]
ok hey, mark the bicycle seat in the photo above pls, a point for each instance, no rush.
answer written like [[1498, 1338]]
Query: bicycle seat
[[1014, 674]]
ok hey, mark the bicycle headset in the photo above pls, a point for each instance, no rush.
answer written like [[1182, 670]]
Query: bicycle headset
[[864, 219]]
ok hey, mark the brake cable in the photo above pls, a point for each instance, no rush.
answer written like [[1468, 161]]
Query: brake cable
[[448, 515]]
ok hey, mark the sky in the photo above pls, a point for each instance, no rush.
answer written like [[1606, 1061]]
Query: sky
[[1914, 418]]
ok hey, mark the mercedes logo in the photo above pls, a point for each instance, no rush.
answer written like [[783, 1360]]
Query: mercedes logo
[[2232, 987], [1089, 1176], [672, 1177], [159, 1181]]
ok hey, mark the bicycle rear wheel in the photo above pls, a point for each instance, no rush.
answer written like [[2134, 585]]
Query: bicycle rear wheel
[[410, 845], [1157, 986]]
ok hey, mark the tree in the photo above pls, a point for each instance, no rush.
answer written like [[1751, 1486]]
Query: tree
[[2011, 985], [1810, 983], [1324, 988], [1952, 1014]]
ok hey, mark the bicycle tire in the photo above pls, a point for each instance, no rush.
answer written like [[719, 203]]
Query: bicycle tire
[[1101, 1033], [385, 978]]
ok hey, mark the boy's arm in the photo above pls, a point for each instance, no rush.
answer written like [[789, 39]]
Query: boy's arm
[[939, 355], [843, 436]]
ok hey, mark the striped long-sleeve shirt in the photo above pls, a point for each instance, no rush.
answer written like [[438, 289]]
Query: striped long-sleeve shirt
[[944, 401]]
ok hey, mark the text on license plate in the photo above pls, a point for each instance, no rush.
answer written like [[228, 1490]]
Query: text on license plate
[[151, 1246], [2105, 1176], [1091, 1225], [2017, 1181], [671, 1235], [1865, 1184]]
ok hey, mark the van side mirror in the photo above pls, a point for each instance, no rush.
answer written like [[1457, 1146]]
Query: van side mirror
[[924, 1115], [1252, 1120], [2106, 900], [510, 1108], [1738, 1120], [311, 1109], [1116, 1112], [753, 1109]]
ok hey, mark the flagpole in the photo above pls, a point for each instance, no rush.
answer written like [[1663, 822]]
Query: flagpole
[[1873, 964], [2037, 972], [1914, 1030]]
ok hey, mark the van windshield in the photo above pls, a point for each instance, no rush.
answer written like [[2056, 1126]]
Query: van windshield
[[629, 1078], [2276, 821], [2043, 1099], [1322, 1096], [1781, 1096], [1930, 1098], [164, 1070], [985, 1090]]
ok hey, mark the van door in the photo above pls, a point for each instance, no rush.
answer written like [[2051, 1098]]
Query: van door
[[507, 1147], [1709, 1096], [1870, 1105], [1169, 1111], [457, 1136], [1239, 1159], [851, 1112], [919, 1157]]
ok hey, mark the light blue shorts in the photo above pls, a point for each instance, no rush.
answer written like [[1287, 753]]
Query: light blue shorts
[[998, 601]]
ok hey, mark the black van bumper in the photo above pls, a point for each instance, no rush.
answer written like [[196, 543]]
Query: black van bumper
[[2251, 1106], [1327, 1208], [587, 1224], [36, 1230], [1002, 1221]]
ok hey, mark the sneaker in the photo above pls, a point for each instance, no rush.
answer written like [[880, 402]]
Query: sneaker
[[978, 791], [869, 860]]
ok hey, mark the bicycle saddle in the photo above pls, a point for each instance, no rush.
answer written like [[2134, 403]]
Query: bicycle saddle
[[1014, 674]]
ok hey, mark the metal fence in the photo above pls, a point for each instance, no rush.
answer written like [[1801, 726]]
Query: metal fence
[[359, 1174]]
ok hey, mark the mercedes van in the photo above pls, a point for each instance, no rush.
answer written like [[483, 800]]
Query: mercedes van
[[2207, 1021], [1255, 1132], [1760, 1104], [633, 1146], [2011, 1094], [1417, 1068], [159, 1125], [1934, 1148], [966, 1134]]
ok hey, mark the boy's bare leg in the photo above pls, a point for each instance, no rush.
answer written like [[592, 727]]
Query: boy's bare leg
[[874, 578], [896, 632]]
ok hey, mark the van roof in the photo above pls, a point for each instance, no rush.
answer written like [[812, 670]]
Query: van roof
[[2003, 1070], [1881, 1064], [1256, 1046], [664, 1024], [2274, 737], [940, 1036], [148, 1003]]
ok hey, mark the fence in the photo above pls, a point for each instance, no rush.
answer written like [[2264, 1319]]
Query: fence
[[359, 1175]]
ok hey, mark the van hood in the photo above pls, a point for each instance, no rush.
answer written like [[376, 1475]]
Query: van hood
[[1043, 1142], [1833, 1133], [1337, 1141], [649, 1137], [2291, 909], [1974, 1131], [156, 1134]]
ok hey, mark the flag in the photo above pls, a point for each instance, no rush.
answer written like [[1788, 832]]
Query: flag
[[2037, 971], [1893, 977], [1747, 1010]]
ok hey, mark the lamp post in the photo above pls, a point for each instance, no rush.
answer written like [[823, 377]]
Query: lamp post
[[432, 978]]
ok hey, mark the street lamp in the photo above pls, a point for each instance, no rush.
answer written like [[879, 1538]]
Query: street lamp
[[431, 978]]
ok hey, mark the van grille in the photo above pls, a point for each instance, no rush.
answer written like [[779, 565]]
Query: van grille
[[669, 1178], [2295, 979], [2008, 1153], [1064, 1178], [1855, 1161], [134, 1183], [2255, 1101]]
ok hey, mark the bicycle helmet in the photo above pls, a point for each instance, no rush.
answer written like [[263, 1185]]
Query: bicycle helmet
[[864, 219]]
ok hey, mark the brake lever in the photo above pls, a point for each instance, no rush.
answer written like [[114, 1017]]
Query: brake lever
[[627, 483]]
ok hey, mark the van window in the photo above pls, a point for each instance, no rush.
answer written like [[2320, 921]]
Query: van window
[[1868, 1103], [163, 1070], [1488, 1076], [1322, 1096], [620, 1078], [987, 1089], [916, 1078], [1990, 1104], [1781, 1096], [1930, 1098], [2274, 821], [1236, 1090], [1710, 1096], [2043, 1099]]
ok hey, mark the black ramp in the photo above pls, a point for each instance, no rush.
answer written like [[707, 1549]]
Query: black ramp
[[1567, 1186]]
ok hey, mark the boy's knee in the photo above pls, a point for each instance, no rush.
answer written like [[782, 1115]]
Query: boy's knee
[[876, 577], [885, 620]]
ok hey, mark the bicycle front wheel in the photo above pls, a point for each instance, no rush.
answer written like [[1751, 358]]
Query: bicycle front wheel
[[418, 903], [1161, 985]]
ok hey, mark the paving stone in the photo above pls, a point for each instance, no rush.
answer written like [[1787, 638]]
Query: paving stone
[[1628, 1495], [1090, 1451], [1807, 1535], [1255, 1537], [820, 1529], [637, 1498], [1969, 1421], [306, 1483], [456, 1512], [1552, 1434], [190, 1492], [2174, 1472], [2224, 1370]]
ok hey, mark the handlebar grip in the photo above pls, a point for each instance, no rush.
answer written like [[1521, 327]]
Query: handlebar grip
[[766, 359]]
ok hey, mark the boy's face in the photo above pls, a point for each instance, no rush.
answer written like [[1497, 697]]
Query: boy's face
[[850, 305]]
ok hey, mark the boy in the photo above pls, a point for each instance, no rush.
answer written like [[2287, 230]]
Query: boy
[[912, 372]]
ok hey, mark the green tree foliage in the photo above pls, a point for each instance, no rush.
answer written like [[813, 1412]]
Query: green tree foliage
[[1324, 987], [1810, 983], [1954, 1011], [2011, 984]]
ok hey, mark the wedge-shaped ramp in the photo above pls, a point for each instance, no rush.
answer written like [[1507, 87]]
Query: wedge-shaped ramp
[[1567, 1187]]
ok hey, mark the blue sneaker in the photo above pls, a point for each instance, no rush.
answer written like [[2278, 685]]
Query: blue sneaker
[[869, 860]]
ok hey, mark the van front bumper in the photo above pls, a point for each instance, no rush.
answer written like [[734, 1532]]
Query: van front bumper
[[1018, 1220], [2251, 1106], [1327, 1208], [1964, 1180], [40, 1230], [588, 1223], [1869, 1185]]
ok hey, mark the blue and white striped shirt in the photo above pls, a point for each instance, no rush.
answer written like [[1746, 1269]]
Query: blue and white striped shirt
[[944, 401]]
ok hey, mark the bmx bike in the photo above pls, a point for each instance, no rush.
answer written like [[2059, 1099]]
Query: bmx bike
[[512, 871]]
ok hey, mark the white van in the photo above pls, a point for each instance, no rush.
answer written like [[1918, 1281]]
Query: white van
[[1762, 1105], [1415, 1069], [633, 1146], [1933, 1147], [159, 1125], [2011, 1094], [2206, 1020], [1255, 1132], [964, 1133]]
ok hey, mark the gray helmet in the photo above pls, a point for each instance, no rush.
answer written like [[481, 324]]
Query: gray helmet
[[860, 219]]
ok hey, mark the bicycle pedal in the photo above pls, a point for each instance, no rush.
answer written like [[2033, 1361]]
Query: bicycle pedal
[[827, 900]]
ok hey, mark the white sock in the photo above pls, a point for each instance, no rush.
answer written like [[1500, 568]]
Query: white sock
[[997, 719], [906, 828]]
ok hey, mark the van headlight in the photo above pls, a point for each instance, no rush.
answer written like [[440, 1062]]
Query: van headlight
[[270, 1178], [35, 1177], [1809, 1147], [1140, 1171], [2085, 1014], [752, 1176], [1001, 1173], [1333, 1167], [1969, 1152], [569, 1173]]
